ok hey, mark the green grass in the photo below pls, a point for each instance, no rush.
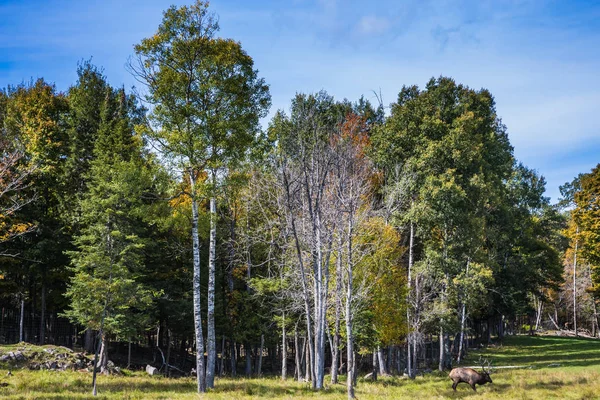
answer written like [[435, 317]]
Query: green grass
[[576, 377]]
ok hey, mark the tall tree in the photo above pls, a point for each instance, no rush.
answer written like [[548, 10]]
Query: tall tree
[[105, 291], [35, 122], [206, 103], [587, 217], [447, 154]]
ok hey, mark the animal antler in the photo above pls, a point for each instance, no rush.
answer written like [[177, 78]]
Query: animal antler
[[486, 365]]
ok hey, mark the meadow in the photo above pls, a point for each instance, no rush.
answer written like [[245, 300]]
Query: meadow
[[551, 368]]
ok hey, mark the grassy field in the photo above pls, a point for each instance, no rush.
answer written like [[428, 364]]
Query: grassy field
[[556, 368]]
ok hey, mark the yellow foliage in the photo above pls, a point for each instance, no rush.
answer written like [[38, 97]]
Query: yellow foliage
[[383, 267]]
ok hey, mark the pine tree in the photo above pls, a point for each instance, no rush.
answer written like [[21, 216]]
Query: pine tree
[[105, 291]]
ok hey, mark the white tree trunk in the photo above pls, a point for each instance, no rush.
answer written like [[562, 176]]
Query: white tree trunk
[[539, 311], [575, 284], [307, 362], [103, 360], [305, 294], [442, 352], [283, 351], [349, 340], [201, 381], [338, 310], [298, 370], [463, 318], [349, 320], [320, 304], [410, 369], [211, 342], [381, 361], [462, 332]]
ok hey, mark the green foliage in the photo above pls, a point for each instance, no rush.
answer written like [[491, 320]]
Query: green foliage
[[525, 242], [587, 218], [206, 95], [109, 261]]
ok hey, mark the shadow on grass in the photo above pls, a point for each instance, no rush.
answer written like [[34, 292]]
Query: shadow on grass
[[543, 351]]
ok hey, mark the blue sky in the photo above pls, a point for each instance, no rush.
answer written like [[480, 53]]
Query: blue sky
[[540, 59]]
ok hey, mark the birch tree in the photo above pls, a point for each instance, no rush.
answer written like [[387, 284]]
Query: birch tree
[[206, 100]]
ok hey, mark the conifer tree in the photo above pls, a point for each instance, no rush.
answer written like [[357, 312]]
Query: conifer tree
[[105, 291]]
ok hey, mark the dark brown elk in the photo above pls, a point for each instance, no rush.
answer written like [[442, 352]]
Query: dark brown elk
[[470, 376]]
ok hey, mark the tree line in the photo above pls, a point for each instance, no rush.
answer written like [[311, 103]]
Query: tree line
[[168, 216]]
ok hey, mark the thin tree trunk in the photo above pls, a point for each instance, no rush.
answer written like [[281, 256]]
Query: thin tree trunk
[[260, 355], [308, 373], [103, 362], [248, 352], [128, 354], [410, 336], [462, 332], [319, 362], [211, 343], [575, 284], [43, 311], [338, 309], [168, 351], [201, 379], [539, 311], [595, 316], [349, 321], [463, 318], [594, 309], [415, 360], [22, 319], [283, 350], [381, 361], [374, 369], [222, 363], [442, 353], [233, 359], [230, 267], [415, 334], [305, 296], [298, 369]]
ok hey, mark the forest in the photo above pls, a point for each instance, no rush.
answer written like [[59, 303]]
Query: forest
[[175, 225]]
